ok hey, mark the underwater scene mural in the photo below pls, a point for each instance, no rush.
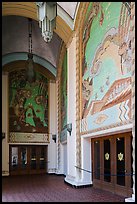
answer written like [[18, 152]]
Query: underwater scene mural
[[106, 65], [28, 103]]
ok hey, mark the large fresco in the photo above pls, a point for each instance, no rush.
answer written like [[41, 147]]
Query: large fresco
[[106, 66], [28, 103], [64, 98]]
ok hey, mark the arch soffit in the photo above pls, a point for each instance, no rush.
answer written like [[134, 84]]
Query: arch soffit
[[14, 57]]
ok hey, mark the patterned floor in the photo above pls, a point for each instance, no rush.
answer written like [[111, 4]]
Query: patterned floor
[[50, 188]]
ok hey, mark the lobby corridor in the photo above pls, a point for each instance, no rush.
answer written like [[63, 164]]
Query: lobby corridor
[[50, 188]]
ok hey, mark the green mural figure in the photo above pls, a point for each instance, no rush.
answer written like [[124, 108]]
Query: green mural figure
[[28, 103]]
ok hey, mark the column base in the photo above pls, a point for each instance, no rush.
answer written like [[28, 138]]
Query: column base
[[132, 199], [77, 183], [5, 173]]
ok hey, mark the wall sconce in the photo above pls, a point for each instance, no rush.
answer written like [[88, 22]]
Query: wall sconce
[[54, 138], [69, 128], [3, 135], [47, 12]]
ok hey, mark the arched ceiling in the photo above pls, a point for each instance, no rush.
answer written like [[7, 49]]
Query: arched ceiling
[[64, 22], [15, 31], [15, 39]]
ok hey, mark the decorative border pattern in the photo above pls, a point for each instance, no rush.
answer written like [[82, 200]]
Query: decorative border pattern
[[107, 127], [132, 35], [78, 26], [16, 137], [120, 114], [58, 83]]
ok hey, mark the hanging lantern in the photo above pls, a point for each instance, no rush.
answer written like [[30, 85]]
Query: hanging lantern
[[47, 12], [30, 73]]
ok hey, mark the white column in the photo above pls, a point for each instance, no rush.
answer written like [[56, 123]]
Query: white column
[[52, 160], [86, 161], [71, 113], [5, 145]]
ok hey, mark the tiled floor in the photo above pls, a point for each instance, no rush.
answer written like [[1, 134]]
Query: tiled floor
[[50, 188]]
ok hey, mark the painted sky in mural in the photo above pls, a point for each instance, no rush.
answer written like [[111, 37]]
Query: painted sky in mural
[[106, 55], [28, 103]]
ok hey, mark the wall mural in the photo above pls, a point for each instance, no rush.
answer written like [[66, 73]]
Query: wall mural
[[106, 65], [28, 103], [64, 99]]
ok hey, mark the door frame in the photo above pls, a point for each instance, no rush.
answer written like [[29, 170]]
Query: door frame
[[113, 186]]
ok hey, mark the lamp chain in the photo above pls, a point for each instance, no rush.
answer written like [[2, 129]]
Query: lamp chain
[[30, 35]]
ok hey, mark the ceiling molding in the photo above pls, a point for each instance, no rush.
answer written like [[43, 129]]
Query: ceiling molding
[[60, 61], [80, 15], [26, 9], [62, 29], [65, 16]]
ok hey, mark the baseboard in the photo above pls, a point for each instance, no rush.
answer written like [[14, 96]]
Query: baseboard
[[56, 174]]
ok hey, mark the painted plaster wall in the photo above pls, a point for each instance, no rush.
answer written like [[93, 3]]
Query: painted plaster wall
[[106, 74]]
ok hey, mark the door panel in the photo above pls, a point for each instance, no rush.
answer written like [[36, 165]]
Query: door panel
[[112, 160], [23, 160], [120, 147], [107, 161], [97, 160]]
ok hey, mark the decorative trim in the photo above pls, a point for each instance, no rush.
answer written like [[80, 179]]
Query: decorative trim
[[107, 127], [20, 137], [108, 132], [58, 83], [26, 9], [132, 35], [78, 24], [62, 13]]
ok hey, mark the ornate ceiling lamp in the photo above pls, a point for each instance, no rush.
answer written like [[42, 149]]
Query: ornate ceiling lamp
[[30, 73], [47, 12]]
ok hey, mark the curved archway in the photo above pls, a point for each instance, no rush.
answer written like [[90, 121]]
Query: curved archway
[[12, 57]]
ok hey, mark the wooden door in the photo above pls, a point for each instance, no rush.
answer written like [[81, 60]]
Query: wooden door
[[28, 159], [112, 166]]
